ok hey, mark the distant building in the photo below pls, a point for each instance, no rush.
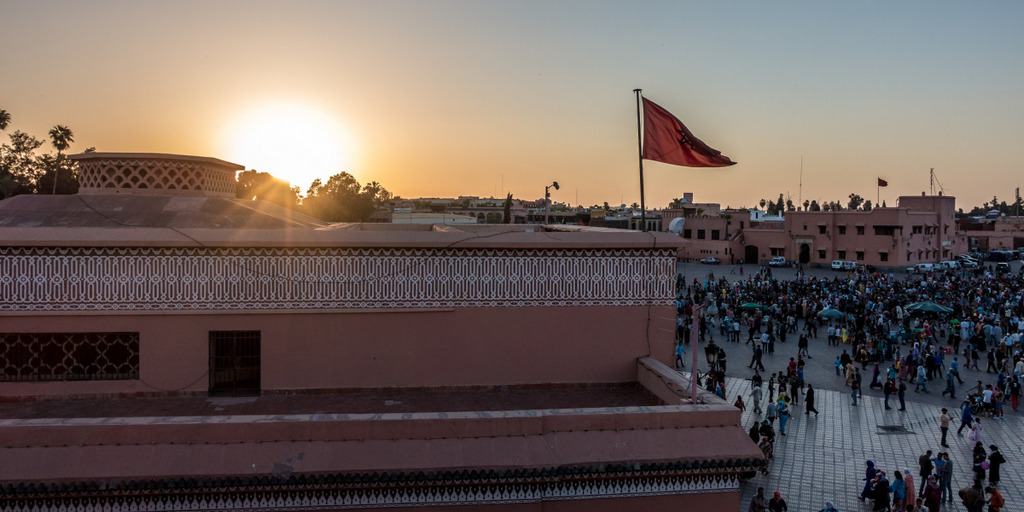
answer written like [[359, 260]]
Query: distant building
[[919, 229]]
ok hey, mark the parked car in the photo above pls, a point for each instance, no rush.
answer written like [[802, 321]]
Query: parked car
[[949, 265], [778, 261], [968, 263], [1000, 256], [922, 268], [849, 265], [837, 264], [711, 260], [1002, 268]]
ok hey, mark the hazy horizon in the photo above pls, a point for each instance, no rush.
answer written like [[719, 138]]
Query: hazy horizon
[[448, 98]]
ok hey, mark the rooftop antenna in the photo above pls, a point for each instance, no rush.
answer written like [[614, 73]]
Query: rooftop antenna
[[800, 193], [933, 180]]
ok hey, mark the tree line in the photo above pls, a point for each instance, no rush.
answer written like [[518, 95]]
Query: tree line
[[339, 199], [24, 170]]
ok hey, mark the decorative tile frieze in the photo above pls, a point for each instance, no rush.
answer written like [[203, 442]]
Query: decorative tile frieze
[[358, 493], [191, 279]]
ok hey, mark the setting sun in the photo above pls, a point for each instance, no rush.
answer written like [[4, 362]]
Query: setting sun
[[293, 142]]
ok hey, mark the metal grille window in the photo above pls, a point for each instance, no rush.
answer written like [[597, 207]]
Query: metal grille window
[[31, 357], [234, 362]]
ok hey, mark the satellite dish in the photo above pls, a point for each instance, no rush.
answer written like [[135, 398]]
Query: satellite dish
[[676, 226]]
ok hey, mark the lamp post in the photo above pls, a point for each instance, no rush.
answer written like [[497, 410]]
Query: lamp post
[[711, 353], [547, 200]]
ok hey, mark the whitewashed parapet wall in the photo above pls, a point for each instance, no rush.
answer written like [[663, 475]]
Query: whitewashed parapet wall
[[192, 279]]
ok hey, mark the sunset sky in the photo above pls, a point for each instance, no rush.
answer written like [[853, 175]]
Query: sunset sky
[[447, 98]]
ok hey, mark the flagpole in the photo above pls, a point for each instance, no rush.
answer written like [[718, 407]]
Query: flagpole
[[640, 148], [694, 374]]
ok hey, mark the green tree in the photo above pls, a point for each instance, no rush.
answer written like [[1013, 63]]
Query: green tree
[[814, 206], [867, 205], [5, 119], [61, 137], [19, 166], [855, 201], [262, 186], [342, 199], [507, 214], [676, 204]]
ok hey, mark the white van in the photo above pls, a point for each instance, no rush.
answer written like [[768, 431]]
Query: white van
[[949, 265], [837, 264], [849, 265], [922, 268]]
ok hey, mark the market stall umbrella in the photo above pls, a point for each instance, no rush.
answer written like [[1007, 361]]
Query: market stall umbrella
[[928, 306], [831, 314], [753, 305]]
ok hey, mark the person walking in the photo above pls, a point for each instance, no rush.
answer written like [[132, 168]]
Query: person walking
[[995, 459], [777, 504], [932, 494], [950, 384], [975, 434], [770, 412], [869, 480], [759, 503], [855, 386], [925, 469], [944, 418], [809, 401], [908, 481], [966, 418], [901, 393], [755, 397], [922, 379], [783, 411], [887, 390], [898, 488]]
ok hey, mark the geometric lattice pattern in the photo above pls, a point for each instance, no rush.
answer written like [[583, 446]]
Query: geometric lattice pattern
[[188, 279], [342, 494], [102, 175], [69, 356]]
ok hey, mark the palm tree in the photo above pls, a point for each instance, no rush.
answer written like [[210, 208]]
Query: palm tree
[[61, 137], [5, 119]]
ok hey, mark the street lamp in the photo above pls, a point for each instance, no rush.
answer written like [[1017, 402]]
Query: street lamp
[[711, 353], [547, 200]]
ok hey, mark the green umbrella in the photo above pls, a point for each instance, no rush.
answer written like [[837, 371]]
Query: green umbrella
[[753, 305], [831, 314], [928, 306]]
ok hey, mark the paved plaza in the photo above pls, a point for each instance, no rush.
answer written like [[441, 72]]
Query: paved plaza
[[823, 456]]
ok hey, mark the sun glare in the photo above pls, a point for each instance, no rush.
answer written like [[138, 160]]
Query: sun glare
[[294, 143]]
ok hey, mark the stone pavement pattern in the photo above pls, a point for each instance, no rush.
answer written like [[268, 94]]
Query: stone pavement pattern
[[823, 457]]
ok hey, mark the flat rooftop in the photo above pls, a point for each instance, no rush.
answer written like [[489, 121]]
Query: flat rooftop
[[341, 402]]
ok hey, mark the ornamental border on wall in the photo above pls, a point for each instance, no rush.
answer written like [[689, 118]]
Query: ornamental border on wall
[[227, 279]]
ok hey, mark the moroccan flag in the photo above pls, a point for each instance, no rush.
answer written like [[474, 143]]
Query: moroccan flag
[[882, 183], [667, 140]]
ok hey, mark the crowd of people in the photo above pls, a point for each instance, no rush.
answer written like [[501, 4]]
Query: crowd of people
[[865, 317]]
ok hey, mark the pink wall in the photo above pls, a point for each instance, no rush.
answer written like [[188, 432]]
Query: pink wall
[[455, 347]]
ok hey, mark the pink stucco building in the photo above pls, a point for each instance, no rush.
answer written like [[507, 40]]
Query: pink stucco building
[[165, 346], [919, 229]]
